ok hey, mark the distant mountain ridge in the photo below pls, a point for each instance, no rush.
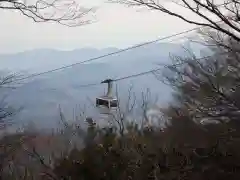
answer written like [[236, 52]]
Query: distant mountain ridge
[[41, 96]]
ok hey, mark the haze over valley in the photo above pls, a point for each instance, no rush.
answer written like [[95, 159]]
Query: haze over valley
[[41, 96]]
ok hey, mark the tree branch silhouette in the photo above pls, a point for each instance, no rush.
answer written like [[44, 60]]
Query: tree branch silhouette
[[65, 12]]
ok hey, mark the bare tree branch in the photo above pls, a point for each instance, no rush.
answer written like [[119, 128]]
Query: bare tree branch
[[208, 87], [65, 12], [6, 111], [227, 13]]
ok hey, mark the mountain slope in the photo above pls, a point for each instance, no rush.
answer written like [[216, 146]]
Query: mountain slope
[[41, 96]]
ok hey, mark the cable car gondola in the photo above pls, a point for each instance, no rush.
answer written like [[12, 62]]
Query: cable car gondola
[[108, 101]]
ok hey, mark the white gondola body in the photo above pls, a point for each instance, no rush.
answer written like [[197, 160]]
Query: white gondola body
[[107, 103]]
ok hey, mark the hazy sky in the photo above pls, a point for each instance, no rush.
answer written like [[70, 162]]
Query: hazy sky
[[117, 26]]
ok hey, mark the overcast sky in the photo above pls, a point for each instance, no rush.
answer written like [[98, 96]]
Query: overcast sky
[[117, 26]]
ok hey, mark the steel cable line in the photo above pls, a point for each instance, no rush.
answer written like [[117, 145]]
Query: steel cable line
[[106, 55], [146, 72], [150, 71]]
